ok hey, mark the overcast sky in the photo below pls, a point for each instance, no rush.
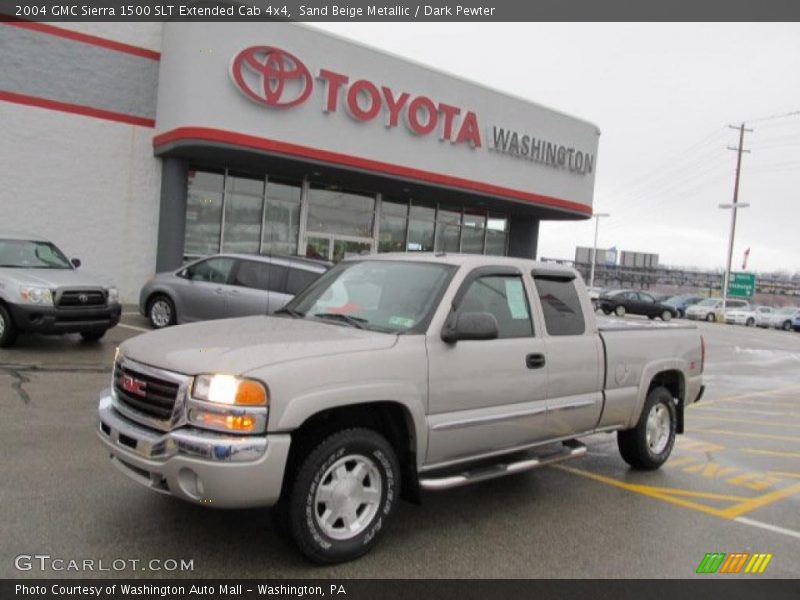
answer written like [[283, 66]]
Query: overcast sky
[[663, 96]]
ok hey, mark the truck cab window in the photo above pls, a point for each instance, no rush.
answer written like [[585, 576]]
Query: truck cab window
[[561, 306], [504, 297]]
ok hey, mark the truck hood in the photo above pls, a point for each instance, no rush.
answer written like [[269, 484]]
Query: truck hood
[[53, 278], [236, 346]]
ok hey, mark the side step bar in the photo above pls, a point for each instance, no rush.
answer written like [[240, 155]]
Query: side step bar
[[572, 449]]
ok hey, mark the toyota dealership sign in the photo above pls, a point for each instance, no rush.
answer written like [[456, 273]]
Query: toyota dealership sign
[[292, 90]]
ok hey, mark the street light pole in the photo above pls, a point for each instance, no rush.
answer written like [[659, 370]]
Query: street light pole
[[596, 217], [733, 207]]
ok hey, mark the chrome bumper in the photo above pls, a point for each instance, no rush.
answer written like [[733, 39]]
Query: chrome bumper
[[213, 469]]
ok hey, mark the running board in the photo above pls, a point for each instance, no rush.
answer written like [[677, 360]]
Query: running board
[[572, 449]]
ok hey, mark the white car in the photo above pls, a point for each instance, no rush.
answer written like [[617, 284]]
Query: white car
[[782, 318], [710, 309], [750, 317]]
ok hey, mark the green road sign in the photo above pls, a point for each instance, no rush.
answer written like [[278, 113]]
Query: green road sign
[[742, 285]]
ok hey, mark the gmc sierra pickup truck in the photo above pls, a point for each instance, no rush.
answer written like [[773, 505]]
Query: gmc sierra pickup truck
[[389, 375]]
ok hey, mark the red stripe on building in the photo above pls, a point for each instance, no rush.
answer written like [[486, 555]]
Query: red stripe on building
[[258, 143], [84, 38], [77, 109]]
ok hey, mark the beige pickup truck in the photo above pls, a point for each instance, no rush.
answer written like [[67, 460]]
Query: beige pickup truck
[[390, 375]]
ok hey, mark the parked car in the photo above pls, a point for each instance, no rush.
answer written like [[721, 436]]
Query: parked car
[[621, 302], [750, 316], [226, 285], [710, 309], [41, 291], [796, 322], [683, 301], [783, 318], [389, 375], [594, 296]]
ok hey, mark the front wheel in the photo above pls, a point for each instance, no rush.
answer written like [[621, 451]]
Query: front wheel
[[648, 445], [751, 322], [666, 315], [787, 326], [161, 312], [92, 336], [606, 311], [620, 311], [342, 495], [8, 331], [711, 317]]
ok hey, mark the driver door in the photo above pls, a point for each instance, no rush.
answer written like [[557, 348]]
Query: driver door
[[204, 295]]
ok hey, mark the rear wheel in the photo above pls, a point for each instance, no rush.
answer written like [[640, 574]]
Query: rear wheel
[[161, 311], [666, 315], [711, 317], [648, 445], [8, 331], [751, 322], [606, 311], [787, 326], [619, 311], [344, 491], [92, 336]]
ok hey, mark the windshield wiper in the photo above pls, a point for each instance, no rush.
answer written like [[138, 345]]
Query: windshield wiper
[[356, 322], [295, 314]]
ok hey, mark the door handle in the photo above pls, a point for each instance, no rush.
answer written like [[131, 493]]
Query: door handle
[[218, 290], [534, 361]]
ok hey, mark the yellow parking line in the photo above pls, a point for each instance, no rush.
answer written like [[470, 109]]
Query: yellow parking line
[[753, 503], [766, 403], [784, 474], [770, 452], [764, 436], [778, 390], [747, 421]]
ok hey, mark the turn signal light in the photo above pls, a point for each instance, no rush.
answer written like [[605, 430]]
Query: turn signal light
[[243, 423]]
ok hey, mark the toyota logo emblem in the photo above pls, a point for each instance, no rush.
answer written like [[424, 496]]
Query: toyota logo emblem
[[271, 76], [83, 298]]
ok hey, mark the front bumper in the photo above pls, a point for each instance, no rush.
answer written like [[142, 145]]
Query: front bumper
[[52, 319], [202, 467]]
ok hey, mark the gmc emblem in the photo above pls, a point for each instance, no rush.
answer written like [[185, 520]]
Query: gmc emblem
[[134, 386]]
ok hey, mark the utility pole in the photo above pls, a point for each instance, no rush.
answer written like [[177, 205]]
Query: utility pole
[[734, 207], [596, 217]]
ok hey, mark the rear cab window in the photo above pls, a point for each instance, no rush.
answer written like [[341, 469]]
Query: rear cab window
[[561, 305]]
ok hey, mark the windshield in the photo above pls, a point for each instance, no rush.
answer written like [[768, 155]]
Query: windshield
[[29, 254], [392, 296], [708, 302]]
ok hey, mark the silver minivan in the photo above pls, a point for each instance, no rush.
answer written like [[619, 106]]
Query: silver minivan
[[226, 285]]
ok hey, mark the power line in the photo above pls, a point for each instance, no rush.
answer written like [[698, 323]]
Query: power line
[[794, 113]]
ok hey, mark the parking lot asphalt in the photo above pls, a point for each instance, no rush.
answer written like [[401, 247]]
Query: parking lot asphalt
[[731, 485]]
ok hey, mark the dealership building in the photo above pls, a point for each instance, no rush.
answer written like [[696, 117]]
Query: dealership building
[[138, 146]]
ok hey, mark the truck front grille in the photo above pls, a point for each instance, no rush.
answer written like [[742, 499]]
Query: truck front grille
[[70, 298], [146, 394]]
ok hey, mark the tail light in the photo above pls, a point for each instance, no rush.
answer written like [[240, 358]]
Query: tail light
[[702, 353]]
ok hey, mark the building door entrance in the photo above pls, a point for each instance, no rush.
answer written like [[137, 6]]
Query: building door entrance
[[335, 247]]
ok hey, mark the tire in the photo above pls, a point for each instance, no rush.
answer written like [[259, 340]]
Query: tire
[[648, 445], [92, 336], [711, 317], [666, 316], [681, 314], [651, 317], [606, 311], [751, 322], [619, 310], [161, 311], [369, 503], [8, 331], [787, 326]]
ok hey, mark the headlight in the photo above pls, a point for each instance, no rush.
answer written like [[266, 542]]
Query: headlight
[[113, 295], [36, 295], [227, 389]]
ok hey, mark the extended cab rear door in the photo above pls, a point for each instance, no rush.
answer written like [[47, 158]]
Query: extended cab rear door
[[487, 395], [573, 351]]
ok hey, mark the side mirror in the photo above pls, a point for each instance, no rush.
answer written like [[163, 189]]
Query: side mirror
[[470, 326], [76, 262]]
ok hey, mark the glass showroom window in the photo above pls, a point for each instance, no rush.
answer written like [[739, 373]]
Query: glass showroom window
[[281, 218], [448, 229], [472, 233], [336, 211], [244, 203], [496, 235], [394, 222], [203, 212], [421, 228]]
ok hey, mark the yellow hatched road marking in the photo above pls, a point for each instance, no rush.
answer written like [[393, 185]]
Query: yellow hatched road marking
[[771, 452], [779, 390], [764, 436], [784, 474], [759, 502]]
